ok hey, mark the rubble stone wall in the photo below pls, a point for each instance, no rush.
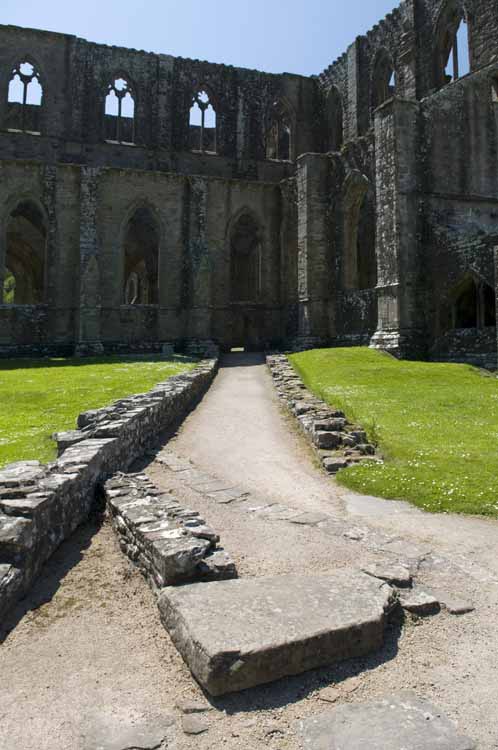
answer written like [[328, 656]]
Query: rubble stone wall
[[41, 506]]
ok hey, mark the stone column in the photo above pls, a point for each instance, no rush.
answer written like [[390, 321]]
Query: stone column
[[199, 263], [88, 333], [400, 327], [315, 272]]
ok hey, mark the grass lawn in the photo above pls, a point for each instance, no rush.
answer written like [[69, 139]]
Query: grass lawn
[[40, 397], [435, 424]]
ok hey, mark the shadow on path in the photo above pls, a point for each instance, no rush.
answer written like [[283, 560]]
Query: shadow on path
[[66, 557], [243, 359]]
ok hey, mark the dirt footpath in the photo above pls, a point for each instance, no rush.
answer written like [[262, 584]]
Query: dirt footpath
[[87, 658]]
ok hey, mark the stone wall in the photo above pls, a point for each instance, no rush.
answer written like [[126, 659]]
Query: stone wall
[[391, 167], [170, 544], [41, 506], [338, 442]]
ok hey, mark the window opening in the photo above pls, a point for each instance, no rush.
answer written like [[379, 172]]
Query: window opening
[[279, 134], [24, 100], [120, 112], [202, 123], [24, 274]]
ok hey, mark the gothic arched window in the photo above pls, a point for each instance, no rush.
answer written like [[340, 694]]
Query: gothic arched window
[[203, 123], [141, 259], [334, 120], [25, 99], [25, 259], [452, 47], [279, 134], [120, 112], [383, 79]]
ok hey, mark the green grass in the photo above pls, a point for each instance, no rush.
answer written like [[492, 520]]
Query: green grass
[[40, 397], [435, 424]]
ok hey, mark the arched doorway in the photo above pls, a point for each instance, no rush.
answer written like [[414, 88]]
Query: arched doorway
[[25, 257], [245, 281]]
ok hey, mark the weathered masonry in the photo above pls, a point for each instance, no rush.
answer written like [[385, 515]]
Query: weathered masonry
[[147, 199]]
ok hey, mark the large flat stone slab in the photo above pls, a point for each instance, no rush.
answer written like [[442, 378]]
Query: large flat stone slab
[[238, 634], [400, 722]]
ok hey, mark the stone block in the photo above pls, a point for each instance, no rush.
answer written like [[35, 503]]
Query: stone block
[[399, 722], [334, 464], [327, 440], [238, 634]]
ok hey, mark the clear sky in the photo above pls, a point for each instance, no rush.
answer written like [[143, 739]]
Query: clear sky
[[295, 36]]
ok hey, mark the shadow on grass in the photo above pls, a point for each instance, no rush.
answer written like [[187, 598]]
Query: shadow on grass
[[24, 364], [44, 587]]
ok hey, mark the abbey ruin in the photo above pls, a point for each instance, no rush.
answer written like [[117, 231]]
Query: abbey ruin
[[146, 199]]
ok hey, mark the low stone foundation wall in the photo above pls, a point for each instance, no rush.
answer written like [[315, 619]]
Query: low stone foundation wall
[[40, 506], [338, 442], [170, 544]]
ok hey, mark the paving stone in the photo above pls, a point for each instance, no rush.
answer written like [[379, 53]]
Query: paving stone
[[309, 519], [329, 694], [397, 575], [225, 497], [194, 724], [111, 733], [238, 634], [215, 485], [457, 606], [400, 722], [187, 706], [419, 603]]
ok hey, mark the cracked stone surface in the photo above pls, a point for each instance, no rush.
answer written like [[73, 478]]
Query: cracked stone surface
[[239, 634], [399, 722]]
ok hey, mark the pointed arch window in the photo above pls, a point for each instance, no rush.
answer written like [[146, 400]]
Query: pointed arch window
[[383, 79], [279, 134], [120, 112], [25, 259], [474, 304], [141, 259], [359, 262], [334, 120], [452, 55], [203, 123], [245, 259], [25, 99]]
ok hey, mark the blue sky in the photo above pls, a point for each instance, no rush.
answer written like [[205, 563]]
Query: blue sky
[[295, 36]]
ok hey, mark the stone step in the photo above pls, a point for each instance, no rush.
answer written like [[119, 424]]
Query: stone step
[[238, 634], [398, 722]]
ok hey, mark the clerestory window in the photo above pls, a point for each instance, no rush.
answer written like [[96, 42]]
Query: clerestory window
[[120, 112], [279, 134], [25, 99], [203, 123]]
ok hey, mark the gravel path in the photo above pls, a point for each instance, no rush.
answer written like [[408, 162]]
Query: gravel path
[[88, 654]]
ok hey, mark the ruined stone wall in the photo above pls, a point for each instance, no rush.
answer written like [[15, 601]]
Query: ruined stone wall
[[459, 208], [41, 506], [75, 75], [409, 170]]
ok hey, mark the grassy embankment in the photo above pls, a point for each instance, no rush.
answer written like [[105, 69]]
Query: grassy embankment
[[40, 397], [435, 424]]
